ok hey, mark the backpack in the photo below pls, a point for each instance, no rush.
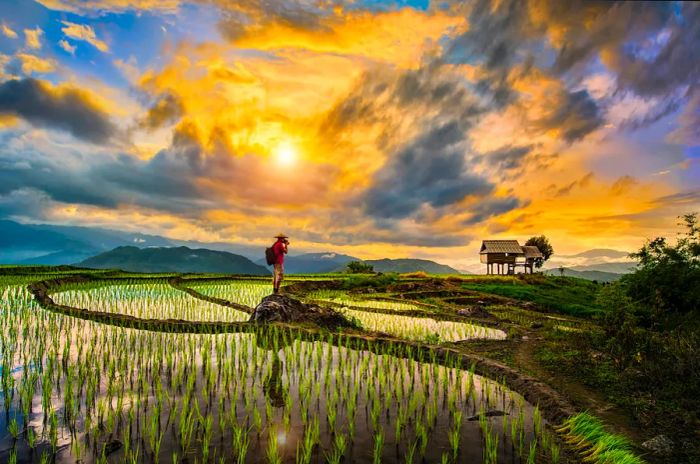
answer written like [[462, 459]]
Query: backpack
[[270, 256]]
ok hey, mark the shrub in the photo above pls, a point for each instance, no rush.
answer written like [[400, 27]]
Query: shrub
[[415, 275], [375, 281], [358, 267]]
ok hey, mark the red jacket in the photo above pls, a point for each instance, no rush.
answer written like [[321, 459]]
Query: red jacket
[[280, 249]]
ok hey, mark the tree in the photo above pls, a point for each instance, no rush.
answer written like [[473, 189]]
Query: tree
[[542, 243], [358, 267], [667, 280]]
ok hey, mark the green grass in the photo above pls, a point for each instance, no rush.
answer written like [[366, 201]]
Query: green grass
[[566, 295], [587, 435]]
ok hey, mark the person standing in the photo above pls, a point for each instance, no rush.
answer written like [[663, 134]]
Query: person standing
[[279, 249]]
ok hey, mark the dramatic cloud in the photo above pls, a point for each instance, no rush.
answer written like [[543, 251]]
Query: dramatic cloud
[[430, 171], [167, 109], [507, 158], [688, 131], [84, 32], [490, 207], [62, 108]]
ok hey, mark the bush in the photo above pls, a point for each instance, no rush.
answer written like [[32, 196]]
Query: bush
[[376, 281], [652, 331], [667, 283], [358, 267], [415, 275]]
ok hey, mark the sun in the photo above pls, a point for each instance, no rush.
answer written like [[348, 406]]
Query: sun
[[285, 154]]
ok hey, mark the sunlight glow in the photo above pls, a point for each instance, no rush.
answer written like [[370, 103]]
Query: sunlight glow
[[281, 438], [285, 154]]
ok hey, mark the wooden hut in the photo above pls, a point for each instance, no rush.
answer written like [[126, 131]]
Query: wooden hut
[[532, 256], [503, 253]]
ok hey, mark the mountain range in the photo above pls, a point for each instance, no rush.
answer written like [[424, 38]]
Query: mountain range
[[410, 265], [599, 276], [51, 244], [173, 259], [55, 245]]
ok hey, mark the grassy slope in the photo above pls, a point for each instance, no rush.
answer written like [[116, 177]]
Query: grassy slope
[[566, 295]]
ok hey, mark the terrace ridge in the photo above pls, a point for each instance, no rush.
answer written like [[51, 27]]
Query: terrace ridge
[[555, 406]]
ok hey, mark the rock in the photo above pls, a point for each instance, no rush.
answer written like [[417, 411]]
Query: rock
[[474, 311], [536, 325], [281, 308], [112, 446], [492, 413], [660, 445]]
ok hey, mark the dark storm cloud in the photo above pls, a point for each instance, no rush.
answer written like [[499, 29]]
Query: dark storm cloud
[[490, 207], [431, 170], [650, 47], [389, 234], [166, 182], [507, 158], [575, 116], [167, 109], [688, 131], [494, 39], [68, 109], [422, 91], [243, 16]]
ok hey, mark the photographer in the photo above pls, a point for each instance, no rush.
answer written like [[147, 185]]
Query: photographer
[[279, 249]]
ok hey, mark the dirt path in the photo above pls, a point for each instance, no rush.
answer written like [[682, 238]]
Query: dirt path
[[582, 397]]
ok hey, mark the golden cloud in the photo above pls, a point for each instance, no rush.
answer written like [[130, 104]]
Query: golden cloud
[[84, 32], [8, 32], [32, 64], [33, 37], [92, 6], [370, 36]]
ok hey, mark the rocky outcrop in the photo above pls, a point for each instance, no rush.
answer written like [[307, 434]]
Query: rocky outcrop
[[282, 308], [660, 445]]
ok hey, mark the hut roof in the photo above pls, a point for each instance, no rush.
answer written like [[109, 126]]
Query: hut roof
[[501, 246], [532, 251]]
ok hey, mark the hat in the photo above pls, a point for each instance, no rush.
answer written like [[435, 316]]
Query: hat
[[281, 235]]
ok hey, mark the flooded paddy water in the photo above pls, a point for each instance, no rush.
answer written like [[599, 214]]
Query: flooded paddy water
[[75, 390]]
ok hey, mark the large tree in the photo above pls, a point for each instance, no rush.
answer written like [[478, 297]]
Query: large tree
[[544, 246]]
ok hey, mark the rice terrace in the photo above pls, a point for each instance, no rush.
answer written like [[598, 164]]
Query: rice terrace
[[349, 231]]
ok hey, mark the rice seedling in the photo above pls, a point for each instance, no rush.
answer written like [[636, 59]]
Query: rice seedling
[[586, 434], [378, 446], [175, 394]]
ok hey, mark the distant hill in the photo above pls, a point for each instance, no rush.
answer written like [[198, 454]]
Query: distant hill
[[173, 259], [600, 276], [313, 263], [618, 267], [410, 265], [21, 244], [598, 253], [56, 245]]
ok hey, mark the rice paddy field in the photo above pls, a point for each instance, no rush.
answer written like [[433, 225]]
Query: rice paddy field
[[76, 386]]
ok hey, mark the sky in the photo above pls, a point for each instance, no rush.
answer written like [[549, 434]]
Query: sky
[[372, 128]]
